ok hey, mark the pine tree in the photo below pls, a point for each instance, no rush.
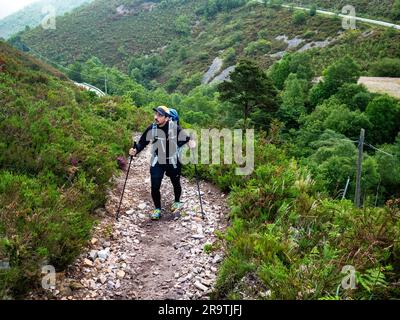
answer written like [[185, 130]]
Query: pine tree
[[250, 90]]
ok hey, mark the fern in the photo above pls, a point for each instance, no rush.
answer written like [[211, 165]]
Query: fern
[[372, 279]]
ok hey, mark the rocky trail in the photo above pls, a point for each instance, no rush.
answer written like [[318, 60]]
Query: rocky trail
[[136, 258]]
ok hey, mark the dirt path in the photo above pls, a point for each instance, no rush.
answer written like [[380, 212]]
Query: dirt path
[[136, 258]]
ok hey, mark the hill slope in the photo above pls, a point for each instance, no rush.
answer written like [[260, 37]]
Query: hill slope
[[58, 147], [175, 42], [110, 30], [32, 15]]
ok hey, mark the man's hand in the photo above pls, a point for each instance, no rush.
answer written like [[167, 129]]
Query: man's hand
[[192, 144], [132, 152]]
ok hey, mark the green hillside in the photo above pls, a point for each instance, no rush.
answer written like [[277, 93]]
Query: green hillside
[[32, 15], [150, 45], [58, 150], [98, 29]]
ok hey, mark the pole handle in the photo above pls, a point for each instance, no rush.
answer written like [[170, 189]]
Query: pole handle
[[134, 147]]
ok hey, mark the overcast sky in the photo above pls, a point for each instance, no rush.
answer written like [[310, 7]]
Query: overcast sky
[[10, 6]]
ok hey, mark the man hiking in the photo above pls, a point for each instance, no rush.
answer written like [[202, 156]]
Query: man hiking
[[167, 138]]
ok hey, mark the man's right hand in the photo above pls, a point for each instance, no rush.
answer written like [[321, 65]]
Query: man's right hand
[[132, 152]]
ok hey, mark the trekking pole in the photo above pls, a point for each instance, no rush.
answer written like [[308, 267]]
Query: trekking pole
[[198, 189], [126, 179], [198, 186]]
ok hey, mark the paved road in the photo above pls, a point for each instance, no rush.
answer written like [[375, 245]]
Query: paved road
[[90, 88]]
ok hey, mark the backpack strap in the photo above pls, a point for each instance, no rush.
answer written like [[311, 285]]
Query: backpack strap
[[173, 135], [154, 138]]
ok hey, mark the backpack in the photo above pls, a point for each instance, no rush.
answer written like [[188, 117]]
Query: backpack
[[174, 115], [172, 130]]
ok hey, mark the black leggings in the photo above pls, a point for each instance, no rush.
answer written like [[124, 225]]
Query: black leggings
[[157, 174]]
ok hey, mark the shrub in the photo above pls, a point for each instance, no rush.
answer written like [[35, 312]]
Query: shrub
[[293, 241], [258, 47], [387, 67], [384, 114], [299, 17], [58, 153], [313, 10], [229, 57]]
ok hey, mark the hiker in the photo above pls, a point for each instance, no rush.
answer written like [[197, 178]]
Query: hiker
[[167, 138]]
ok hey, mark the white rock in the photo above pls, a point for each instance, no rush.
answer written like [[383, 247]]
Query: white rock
[[103, 254], [88, 262], [123, 257], [121, 274], [103, 279], [206, 282], [129, 212], [200, 286], [110, 285], [197, 236], [142, 206], [217, 259], [93, 254], [266, 294]]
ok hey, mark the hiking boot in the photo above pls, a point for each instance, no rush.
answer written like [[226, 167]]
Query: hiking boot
[[176, 206], [156, 215]]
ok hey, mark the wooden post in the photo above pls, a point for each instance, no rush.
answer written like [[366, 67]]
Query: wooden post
[[105, 83], [357, 199]]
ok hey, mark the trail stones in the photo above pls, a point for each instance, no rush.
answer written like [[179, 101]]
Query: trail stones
[[88, 262], [200, 286], [142, 206], [136, 258], [93, 254], [103, 254], [103, 279], [217, 259]]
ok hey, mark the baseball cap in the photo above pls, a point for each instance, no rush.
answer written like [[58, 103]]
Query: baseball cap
[[163, 110]]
